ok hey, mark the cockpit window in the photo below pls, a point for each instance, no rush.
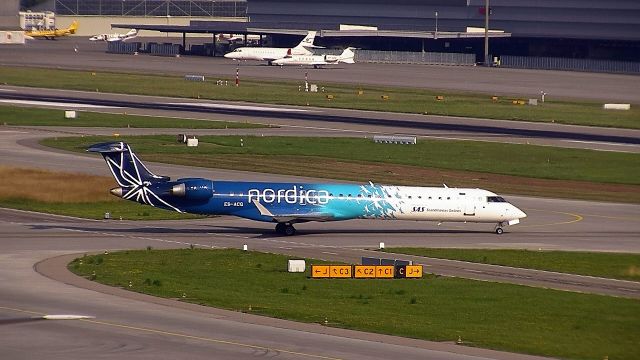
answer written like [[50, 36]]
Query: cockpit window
[[495, 199]]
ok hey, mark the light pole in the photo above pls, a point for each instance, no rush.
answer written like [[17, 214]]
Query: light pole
[[486, 33], [435, 36]]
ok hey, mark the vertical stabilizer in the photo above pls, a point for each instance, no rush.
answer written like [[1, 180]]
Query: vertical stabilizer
[[347, 56], [125, 166], [305, 44]]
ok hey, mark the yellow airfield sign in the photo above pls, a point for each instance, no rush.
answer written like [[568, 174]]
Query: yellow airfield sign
[[366, 271]]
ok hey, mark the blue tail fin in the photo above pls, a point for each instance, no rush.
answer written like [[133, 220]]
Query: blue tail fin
[[124, 164]]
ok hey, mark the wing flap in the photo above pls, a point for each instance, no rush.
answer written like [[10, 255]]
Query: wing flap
[[283, 216]]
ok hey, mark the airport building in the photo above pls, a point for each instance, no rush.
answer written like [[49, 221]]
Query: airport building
[[593, 30]]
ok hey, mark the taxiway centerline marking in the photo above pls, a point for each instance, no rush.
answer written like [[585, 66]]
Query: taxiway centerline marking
[[186, 336]]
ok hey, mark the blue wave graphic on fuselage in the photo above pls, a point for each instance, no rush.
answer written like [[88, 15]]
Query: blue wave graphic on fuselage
[[339, 201]]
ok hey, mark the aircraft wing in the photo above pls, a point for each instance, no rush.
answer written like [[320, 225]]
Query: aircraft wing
[[284, 216], [271, 58]]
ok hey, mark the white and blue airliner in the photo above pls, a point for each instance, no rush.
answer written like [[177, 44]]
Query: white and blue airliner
[[286, 204]]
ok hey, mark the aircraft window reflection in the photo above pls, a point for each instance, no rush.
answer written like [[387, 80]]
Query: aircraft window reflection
[[495, 199]]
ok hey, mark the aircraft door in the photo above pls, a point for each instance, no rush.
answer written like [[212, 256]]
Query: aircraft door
[[469, 206]]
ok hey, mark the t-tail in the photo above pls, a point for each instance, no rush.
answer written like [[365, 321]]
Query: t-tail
[[125, 166], [137, 183], [347, 56]]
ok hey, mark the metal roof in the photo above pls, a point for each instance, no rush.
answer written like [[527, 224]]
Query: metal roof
[[229, 27]]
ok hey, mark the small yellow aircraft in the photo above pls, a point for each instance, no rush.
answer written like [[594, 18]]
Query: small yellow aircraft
[[53, 33]]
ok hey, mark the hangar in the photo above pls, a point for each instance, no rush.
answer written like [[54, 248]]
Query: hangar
[[599, 32]]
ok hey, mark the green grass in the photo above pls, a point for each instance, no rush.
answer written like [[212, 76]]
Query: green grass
[[345, 96], [127, 210], [609, 265], [522, 160], [491, 315], [20, 116]]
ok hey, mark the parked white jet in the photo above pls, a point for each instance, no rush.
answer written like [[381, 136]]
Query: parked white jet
[[115, 37], [269, 53], [317, 60]]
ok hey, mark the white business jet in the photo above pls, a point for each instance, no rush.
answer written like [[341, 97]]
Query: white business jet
[[115, 37], [269, 54], [317, 61]]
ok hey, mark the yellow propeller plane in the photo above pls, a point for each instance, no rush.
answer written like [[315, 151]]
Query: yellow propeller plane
[[53, 33]]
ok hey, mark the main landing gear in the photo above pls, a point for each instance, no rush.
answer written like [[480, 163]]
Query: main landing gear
[[285, 229]]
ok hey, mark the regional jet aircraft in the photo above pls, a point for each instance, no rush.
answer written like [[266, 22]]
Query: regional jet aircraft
[[269, 54], [289, 203], [317, 60]]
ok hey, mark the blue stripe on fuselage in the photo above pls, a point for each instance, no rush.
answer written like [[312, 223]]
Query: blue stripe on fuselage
[[341, 201]]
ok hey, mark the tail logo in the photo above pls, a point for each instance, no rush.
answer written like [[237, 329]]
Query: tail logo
[[133, 177]]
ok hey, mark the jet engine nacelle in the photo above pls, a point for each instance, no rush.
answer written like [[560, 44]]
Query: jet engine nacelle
[[191, 189], [331, 58]]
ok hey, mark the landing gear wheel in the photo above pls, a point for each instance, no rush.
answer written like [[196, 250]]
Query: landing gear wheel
[[499, 231], [289, 230], [285, 229]]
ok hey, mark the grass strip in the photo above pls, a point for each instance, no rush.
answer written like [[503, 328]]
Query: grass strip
[[78, 195], [21, 116], [608, 265], [527, 169], [484, 314], [407, 100]]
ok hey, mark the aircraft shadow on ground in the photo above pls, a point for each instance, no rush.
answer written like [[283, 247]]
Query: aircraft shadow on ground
[[238, 230]]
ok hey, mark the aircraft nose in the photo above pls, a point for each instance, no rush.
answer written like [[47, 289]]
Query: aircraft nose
[[519, 213]]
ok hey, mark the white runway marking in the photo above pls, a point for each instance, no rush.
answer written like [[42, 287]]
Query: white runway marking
[[238, 107], [599, 143], [50, 103]]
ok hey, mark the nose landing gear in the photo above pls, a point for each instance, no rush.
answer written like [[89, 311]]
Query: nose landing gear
[[285, 229]]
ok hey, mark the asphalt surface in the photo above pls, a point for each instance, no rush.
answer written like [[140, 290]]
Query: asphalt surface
[[350, 122], [134, 326], [80, 53]]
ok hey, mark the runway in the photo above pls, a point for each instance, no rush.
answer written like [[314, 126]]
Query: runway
[[80, 53], [336, 122]]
